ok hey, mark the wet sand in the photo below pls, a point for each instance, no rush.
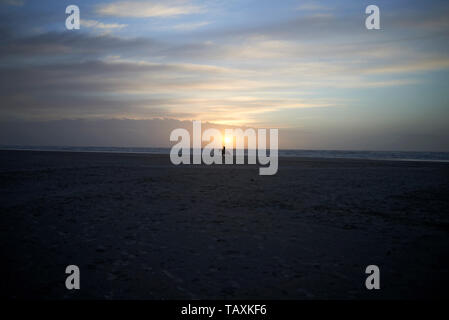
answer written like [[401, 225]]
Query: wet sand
[[140, 228]]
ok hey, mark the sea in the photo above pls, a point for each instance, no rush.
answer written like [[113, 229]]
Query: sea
[[343, 154]]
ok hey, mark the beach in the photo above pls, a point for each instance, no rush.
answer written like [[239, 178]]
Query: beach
[[139, 227]]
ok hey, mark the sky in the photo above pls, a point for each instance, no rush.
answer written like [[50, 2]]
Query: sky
[[137, 69]]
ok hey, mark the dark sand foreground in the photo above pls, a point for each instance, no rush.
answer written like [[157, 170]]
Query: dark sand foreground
[[139, 227]]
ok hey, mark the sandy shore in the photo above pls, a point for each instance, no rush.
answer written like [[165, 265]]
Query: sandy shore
[[139, 227]]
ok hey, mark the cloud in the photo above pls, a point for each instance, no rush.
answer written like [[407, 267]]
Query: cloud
[[147, 9], [17, 3], [93, 132], [153, 132], [85, 76], [422, 65], [312, 6], [190, 26], [138, 89], [100, 25], [72, 45]]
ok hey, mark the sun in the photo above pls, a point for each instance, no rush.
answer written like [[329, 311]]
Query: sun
[[227, 140]]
